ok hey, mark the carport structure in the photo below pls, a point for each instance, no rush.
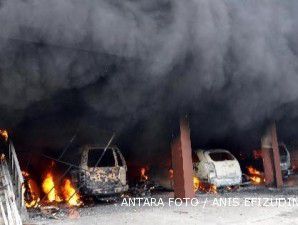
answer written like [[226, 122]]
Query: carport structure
[[182, 160]]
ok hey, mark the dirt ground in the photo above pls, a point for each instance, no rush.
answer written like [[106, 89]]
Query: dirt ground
[[250, 205]]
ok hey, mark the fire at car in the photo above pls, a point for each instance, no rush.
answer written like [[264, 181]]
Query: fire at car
[[52, 191], [4, 134], [217, 167]]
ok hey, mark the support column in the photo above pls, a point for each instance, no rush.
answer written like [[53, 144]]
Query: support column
[[276, 157], [268, 167], [182, 162], [271, 158]]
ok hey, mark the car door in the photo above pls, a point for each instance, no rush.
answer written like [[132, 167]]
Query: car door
[[121, 164]]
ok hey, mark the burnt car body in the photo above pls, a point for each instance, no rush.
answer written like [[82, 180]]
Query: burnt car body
[[107, 178], [256, 160], [218, 167]]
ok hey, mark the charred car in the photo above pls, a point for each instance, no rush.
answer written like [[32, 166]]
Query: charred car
[[102, 172], [218, 167], [285, 160]]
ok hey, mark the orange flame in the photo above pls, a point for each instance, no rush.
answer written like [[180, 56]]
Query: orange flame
[[33, 203], [70, 194], [144, 177], [252, 170], [255, 176], [54, 192], [4, 134], [48, 187], [30, 191], [198, 185], [171, 174]]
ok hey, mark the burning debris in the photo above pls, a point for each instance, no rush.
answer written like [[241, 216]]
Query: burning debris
[[143, 173], [31, 191], [202, 186], [143, 185], [255, 176], [4, 134], [171, 174], [70, 194], [53, 192], [48, 187]]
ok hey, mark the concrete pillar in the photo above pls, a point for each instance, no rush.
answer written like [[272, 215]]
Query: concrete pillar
[[271, 158], [182, 162], [268, 166], [276, 157]]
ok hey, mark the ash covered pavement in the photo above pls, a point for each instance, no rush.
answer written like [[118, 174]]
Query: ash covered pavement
[[247, 205]]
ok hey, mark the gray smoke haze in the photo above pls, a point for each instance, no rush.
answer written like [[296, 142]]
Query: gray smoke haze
[[240, 55]]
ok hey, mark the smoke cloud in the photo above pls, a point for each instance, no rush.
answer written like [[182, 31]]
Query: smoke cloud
[[235, 58]]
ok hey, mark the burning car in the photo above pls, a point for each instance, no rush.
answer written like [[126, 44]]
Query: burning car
[[218, 167], [102, 171], [285, 160]]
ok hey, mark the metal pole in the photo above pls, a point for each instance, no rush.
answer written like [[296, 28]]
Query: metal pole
[[61, 161], [61, 155], [69, 143]]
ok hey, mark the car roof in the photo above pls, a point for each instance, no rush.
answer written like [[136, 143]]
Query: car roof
[[98, 147], [212, 150]]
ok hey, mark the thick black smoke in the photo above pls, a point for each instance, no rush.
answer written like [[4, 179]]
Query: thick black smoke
[[231, 62]]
